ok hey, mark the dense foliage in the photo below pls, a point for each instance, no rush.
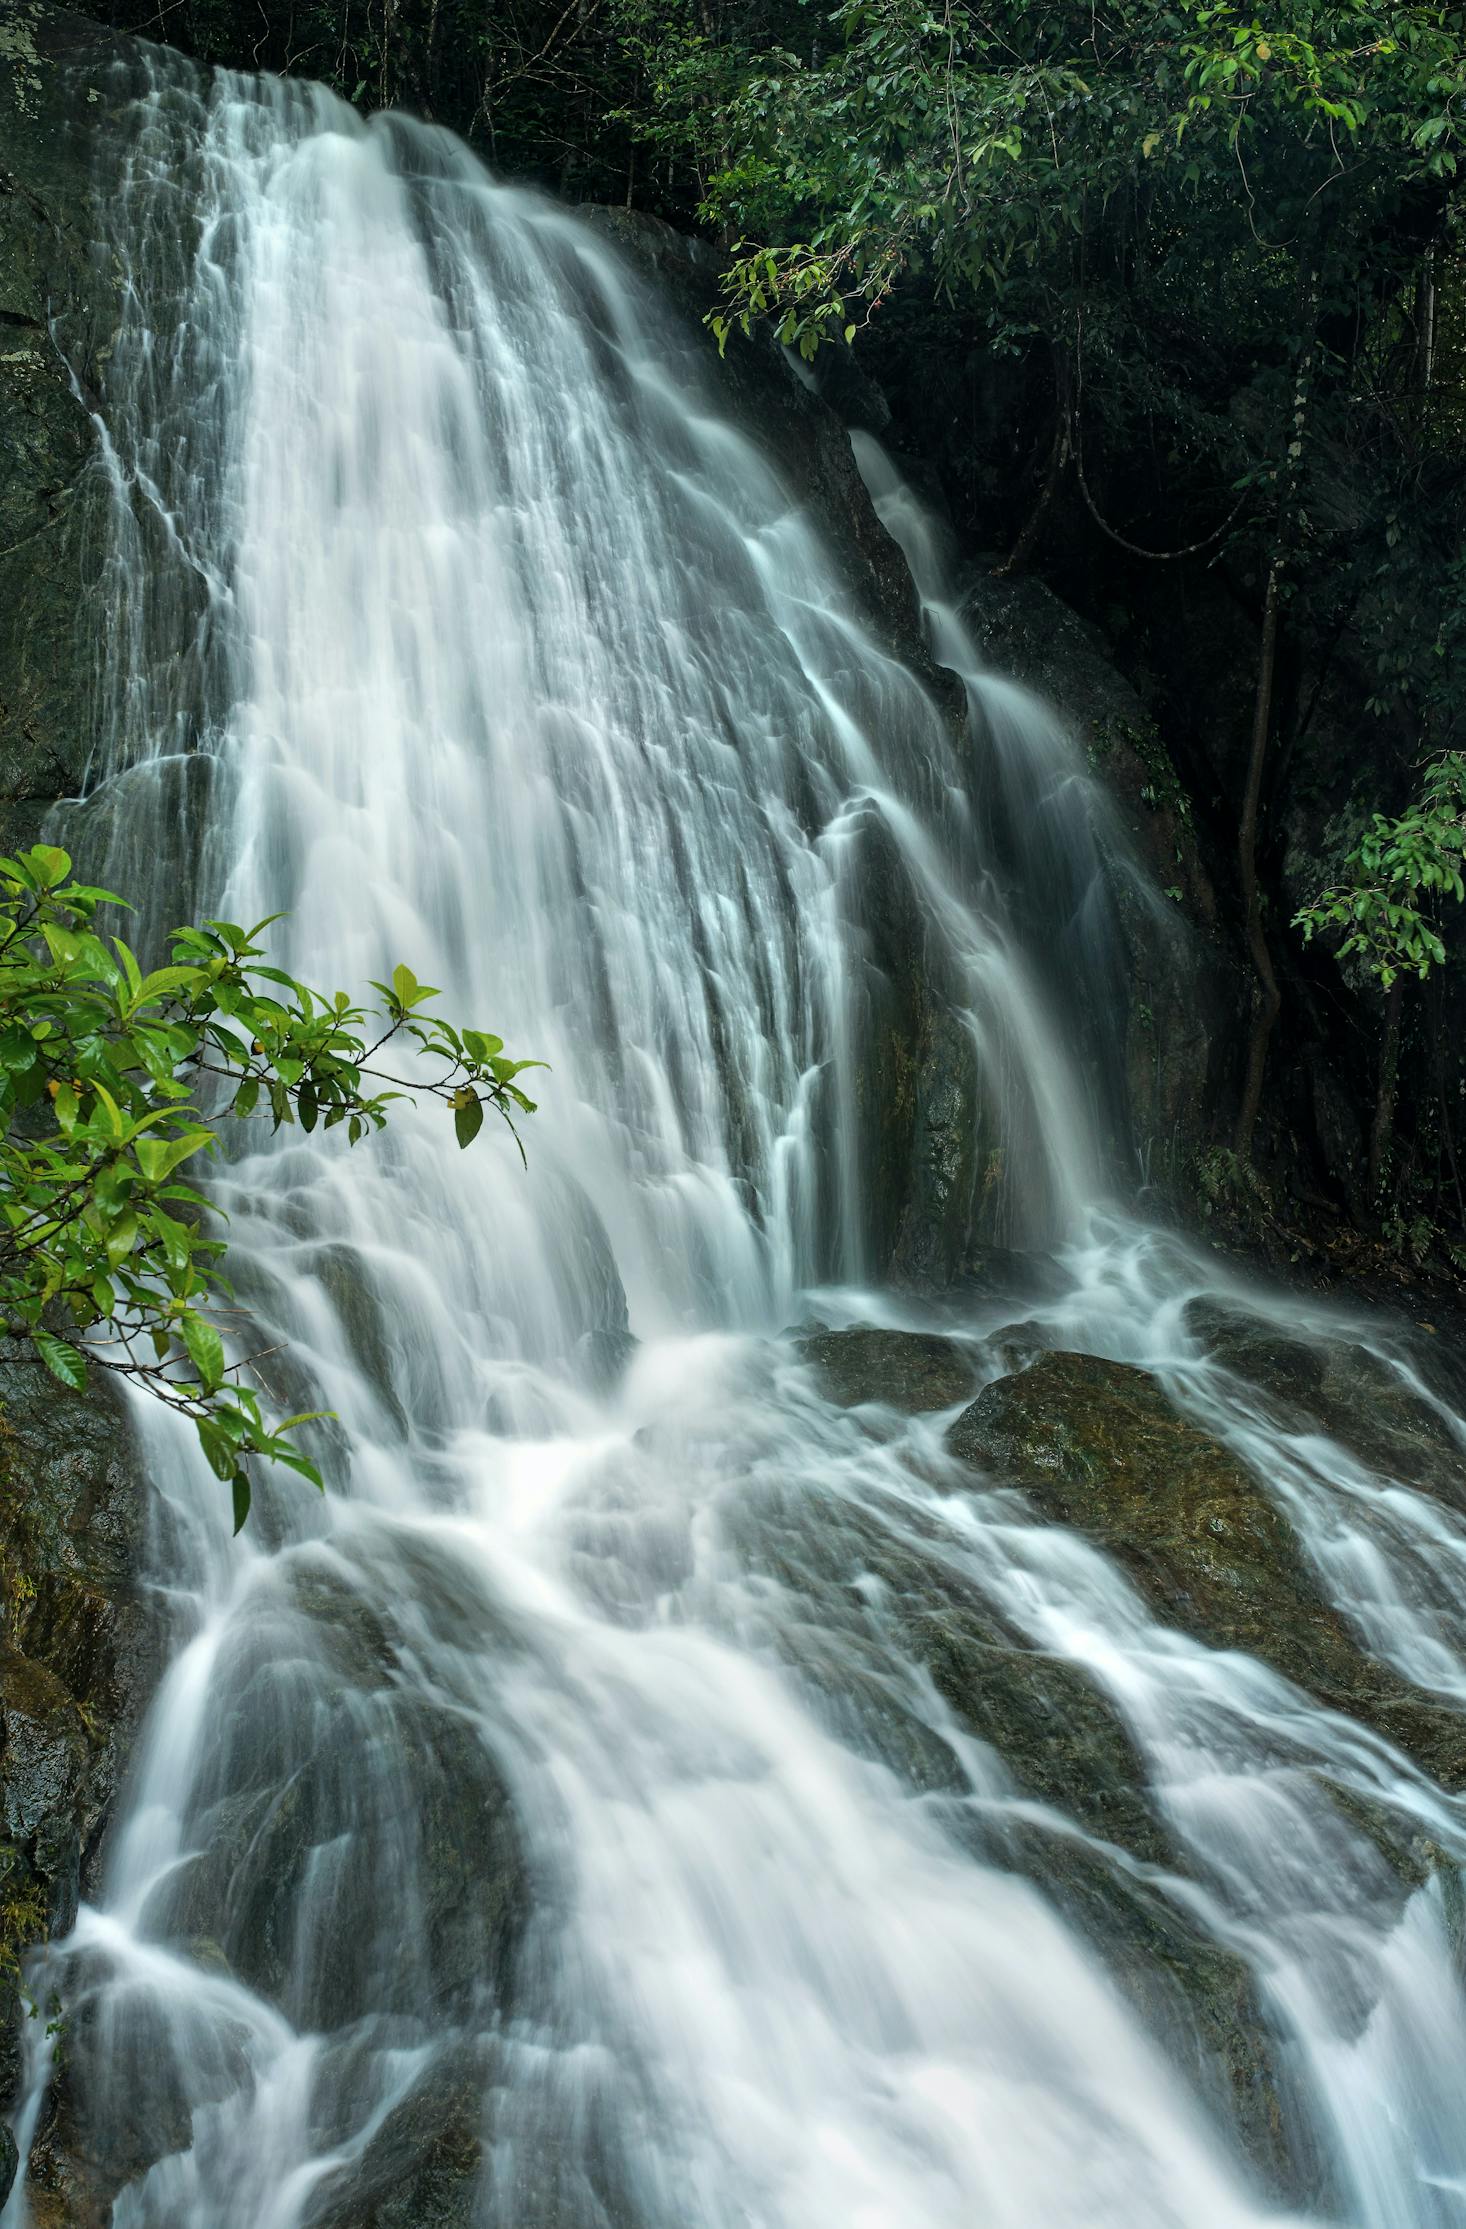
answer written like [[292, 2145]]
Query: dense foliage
[[113, 1085], [1035, 156]]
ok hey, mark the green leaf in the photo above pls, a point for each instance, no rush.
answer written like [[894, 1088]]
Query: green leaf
[[241, 1491], [159, 1157], [62, 1361], [174, 1235], [407, 990], [468, 1116], [168, 982], [49, 864], [17, 1049], [205, 1349], [63, 945], [218, 1448], [121, 1239]]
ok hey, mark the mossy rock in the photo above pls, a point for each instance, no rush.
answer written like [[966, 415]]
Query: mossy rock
[[914, 1371], [443, 1945], [423, 2166], [1098, 1445]]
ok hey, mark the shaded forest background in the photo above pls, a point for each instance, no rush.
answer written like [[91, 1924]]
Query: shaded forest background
[[1168, 303]]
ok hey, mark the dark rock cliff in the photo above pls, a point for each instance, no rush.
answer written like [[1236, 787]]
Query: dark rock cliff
[[78, 1657], [56, 316]]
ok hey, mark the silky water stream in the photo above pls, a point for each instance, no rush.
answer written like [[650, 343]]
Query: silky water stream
[[560, 1825]]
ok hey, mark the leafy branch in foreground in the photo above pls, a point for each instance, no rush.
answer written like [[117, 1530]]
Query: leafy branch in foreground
[[112, 1083]]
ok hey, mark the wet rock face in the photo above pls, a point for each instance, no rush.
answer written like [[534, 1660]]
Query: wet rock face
[[56, 316], [78, 1660], [313, 1841], [1186, 994], [358, 1868], [423, 2168], [914, 1371], [802, 434], [1340, 1388], [1097, 1445]]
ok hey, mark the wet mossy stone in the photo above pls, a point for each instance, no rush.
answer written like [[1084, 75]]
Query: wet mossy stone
[[423, 2166], [865, 1604], [1198, 1999], [917, 1372], [1097, 1445], [1343, 1389], [416, 1888], [134, 2079]]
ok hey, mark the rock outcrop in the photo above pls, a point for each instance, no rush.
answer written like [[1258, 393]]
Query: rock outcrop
[[1337, 1386], [914, 1371], [1097, 1445], [78, 1661]]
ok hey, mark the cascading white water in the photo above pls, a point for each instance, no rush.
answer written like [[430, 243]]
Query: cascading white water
[[565, 1810]]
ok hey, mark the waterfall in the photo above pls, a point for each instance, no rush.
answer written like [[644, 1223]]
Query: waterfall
[[559, 1824]]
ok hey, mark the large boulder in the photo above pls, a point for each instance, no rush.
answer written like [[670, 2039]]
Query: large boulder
[[423, 2166], [356, 1864], [1098, 1445]]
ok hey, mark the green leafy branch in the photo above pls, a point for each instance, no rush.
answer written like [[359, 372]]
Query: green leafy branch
[[113, 1082], [1398, 874]]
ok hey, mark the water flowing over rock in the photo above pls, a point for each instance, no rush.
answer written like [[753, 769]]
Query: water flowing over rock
[[1098, 1445], [663, 1782]]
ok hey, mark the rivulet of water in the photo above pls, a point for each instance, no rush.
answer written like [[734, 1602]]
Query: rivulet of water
[[560, 1826]]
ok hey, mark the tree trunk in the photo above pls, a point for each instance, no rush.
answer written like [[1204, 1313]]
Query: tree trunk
[[1022, 549], [1425, 322], [1267, 999], [1383, 1126]]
